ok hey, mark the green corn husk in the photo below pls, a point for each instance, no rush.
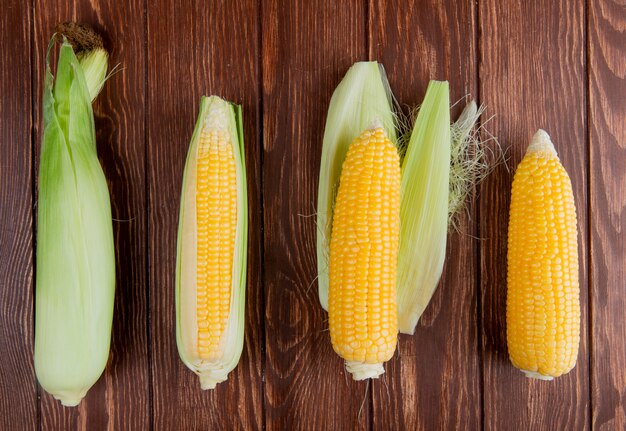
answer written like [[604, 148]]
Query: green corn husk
[[361, 99], [75, 281], [441, 165], [223, 114], [456, 148], [424, 206]]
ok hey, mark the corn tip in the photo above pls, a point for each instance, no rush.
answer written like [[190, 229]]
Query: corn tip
[[70, 398], [70, 402], [541, 142], [536, 375], [376, 124], [362, 371], [211, 377]]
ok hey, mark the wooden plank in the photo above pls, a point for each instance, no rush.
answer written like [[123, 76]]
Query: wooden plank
[[532, 75], [120, 399], [607, 133], [18, 396], [307, 48], [433, 382], [195, 49]]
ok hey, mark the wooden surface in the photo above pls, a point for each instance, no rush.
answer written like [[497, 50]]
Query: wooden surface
[[533, 65], [555, 65]]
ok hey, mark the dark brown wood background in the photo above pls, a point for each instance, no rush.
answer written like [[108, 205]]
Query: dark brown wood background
[[550, 64]]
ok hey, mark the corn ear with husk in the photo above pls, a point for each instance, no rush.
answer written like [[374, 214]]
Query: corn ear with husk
[[75, 280], [441, 164], [212, 245], [362, 99]]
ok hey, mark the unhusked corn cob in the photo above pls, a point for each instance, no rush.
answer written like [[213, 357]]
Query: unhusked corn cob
[[363, 255], [75, 283], [543, 310], [211, 256]]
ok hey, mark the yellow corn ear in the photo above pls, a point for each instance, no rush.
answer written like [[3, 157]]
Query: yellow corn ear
[[543, 310], [362, 97], [363, 255], [212, 242], [216, 222]]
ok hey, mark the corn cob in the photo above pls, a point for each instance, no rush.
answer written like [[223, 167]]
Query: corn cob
[[212, 240], [363, 255], [362, 97], [543, 310], [75, 283]]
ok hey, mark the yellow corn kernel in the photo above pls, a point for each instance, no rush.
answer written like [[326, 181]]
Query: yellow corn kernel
[[216, 220], [543, 310], [363, 255]]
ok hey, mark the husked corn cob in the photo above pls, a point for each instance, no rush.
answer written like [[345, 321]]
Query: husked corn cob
[[363, 255], [216, 220], [211, 274], [543, 310]]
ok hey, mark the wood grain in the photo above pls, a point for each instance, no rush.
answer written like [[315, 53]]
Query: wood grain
[[120, 399], [532, 75], [18, 396], [307, 48], [432, 383], [556, 65], [607, 133], [195, 49]]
